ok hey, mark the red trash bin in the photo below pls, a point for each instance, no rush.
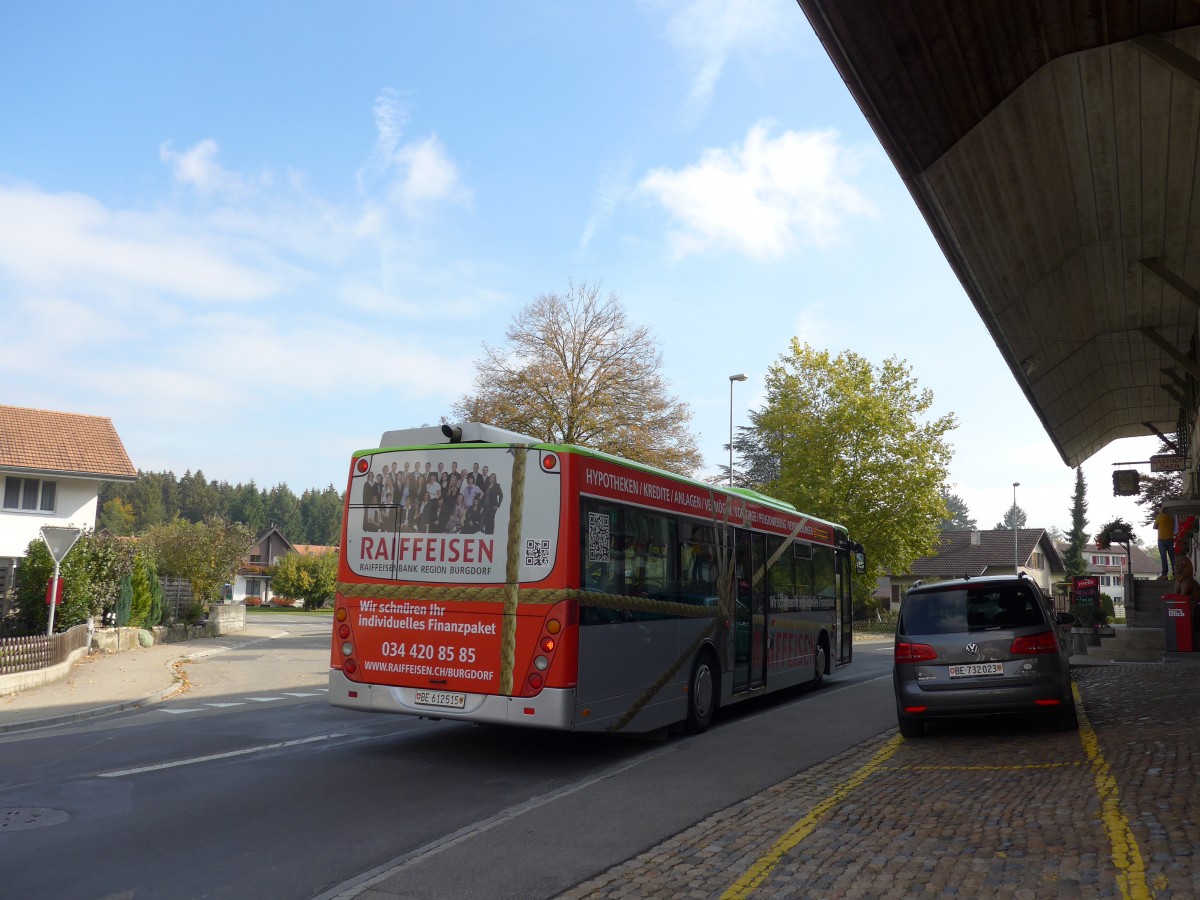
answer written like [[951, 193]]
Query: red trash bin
[[1177, 623]]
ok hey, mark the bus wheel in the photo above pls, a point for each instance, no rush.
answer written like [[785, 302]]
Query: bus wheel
[[819, 665], [702, 693]]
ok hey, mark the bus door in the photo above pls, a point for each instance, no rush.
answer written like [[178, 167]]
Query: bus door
[[750, 612], [845, 610]]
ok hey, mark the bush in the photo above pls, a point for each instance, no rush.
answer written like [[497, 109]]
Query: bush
[[254, 601], [196, 612], [124, 603]]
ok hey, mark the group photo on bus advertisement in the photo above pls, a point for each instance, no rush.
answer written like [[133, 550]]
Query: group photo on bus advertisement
[[489, 577]]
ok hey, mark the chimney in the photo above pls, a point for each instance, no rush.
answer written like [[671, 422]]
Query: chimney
[[975, 536]]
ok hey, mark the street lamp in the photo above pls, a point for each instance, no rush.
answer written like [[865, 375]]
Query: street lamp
[[1016, 563], [732, 379]]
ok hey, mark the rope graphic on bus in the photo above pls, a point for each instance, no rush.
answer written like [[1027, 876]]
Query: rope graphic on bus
[[512, 574], [512, 594]]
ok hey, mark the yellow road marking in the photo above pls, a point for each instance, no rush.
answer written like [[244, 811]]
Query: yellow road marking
[[758, 873], [982, 768], [1126, 857]]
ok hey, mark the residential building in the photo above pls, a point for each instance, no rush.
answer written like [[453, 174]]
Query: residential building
[[974, 553], [1111, 566], [51, 465], [253, 581]]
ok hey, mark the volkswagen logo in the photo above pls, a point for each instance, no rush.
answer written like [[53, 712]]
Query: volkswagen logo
[[972, 649]]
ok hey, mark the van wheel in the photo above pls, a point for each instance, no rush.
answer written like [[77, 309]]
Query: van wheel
[[703, 693], [910, 727], [1067, 720]]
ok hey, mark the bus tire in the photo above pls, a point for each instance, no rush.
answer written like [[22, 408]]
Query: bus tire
[[703, 692], [819, 664]]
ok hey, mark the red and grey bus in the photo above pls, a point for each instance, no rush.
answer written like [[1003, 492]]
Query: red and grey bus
[[490, 577]]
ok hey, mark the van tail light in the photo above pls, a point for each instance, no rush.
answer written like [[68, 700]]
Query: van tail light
[[1033, 644], [909, 653]]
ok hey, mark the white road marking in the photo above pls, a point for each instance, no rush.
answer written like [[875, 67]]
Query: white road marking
[[298, 694], [121, 773], [179, 710], [223, 705], [263, 699]]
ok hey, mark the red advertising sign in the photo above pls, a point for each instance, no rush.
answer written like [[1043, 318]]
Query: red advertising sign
[[601, 478]]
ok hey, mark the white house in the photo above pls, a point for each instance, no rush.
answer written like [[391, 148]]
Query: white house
[[51, 466]]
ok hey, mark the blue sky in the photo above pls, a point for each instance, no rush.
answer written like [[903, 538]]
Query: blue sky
[[256, 236]]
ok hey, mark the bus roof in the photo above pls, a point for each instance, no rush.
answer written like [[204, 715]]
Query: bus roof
[[479, 433]]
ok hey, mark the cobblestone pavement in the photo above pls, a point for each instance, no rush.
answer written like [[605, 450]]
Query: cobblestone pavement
[[978, 809]]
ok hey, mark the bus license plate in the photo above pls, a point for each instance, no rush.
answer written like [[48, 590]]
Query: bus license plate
[[441, 698], [972, 670]]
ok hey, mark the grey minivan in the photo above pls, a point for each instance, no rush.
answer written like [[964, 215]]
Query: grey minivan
[[978, 647]]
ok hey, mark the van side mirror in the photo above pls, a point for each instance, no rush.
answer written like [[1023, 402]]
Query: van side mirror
[[1064, 618]]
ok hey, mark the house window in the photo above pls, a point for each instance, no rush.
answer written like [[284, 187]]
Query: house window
[[1038, 560], [30, 494]]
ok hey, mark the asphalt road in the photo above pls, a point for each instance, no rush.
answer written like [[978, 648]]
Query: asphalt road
[[249, 784]]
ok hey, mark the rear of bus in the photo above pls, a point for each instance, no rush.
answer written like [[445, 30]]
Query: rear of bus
[[451, 598]]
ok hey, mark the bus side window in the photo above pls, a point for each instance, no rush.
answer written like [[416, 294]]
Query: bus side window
[[823, 573], [650, 568], [782, 585], [802, 557]]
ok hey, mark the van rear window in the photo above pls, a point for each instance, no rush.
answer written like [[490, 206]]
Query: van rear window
[[970, 609]]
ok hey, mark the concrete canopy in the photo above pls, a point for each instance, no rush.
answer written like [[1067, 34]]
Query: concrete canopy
[[1052, 147]]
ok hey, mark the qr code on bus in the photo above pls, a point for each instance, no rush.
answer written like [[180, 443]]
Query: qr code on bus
[[598, 539], [537, 552]]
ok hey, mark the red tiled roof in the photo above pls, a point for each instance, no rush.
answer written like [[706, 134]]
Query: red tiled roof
[[70, 443], [312, 549]]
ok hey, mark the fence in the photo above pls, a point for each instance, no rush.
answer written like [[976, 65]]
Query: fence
[[25, 654]]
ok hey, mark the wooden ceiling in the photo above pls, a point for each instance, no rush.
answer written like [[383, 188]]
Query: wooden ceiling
[[1052, 147]]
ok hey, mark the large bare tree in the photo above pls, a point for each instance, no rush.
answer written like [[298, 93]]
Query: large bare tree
[[575, 370]]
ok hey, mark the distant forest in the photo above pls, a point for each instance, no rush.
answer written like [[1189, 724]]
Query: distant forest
[[156, 498]]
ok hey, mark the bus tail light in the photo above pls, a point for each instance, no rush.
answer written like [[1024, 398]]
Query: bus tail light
[[342, 639], [556, 653]]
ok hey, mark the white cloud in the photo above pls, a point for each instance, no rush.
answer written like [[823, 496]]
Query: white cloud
[[763, 198], [426, 176], [390, 119], [422, 173], [198, 169], [706, 33], [612, 189], [56, 240]]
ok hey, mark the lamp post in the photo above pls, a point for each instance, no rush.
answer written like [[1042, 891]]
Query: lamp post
[[732, 379], [1016, 563]]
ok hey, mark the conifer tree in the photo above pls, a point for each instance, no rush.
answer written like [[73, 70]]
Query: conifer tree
[[1077, 539]]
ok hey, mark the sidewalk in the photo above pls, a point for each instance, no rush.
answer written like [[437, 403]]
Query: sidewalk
[[981, 810], [109, 682]]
